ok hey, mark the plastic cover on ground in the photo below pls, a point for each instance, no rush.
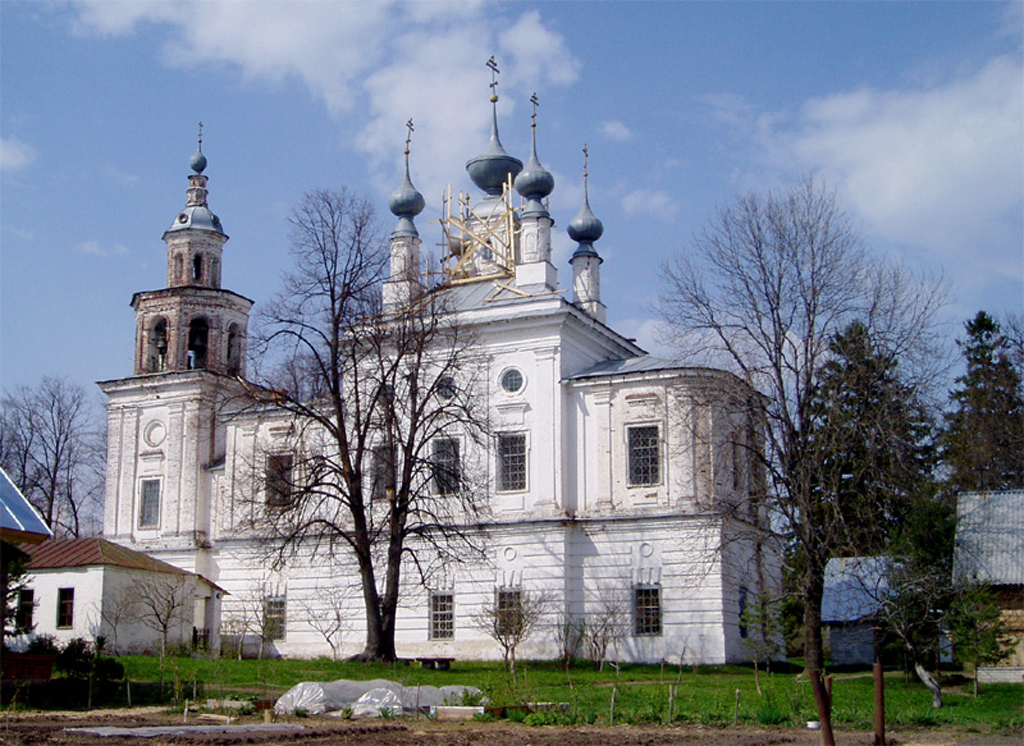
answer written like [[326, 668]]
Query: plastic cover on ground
[[368, 698]]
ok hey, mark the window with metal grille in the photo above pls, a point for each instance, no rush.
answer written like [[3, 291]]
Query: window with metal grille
[[511, 462], [442, 616], [274, 608], [279, 480], [510, 611], [65, 607], [446, 467], [647, 610], [644, 455], [149, 504], [26, 606]]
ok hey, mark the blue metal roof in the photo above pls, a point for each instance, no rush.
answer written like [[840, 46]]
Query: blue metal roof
[[855, 588], [19, 521], [990, 537]]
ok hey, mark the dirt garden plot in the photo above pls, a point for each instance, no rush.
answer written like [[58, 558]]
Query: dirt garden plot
[[31, 728]]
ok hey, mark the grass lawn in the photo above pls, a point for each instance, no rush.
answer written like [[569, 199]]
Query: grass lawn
[[703, 695]]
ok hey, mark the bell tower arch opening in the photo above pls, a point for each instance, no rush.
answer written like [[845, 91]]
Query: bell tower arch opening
[[198, 343], [157, 353]]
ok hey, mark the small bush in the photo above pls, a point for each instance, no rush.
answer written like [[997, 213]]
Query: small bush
[[45, 644], [75, 659]]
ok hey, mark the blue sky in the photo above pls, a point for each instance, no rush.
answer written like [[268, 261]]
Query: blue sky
[[912, 111]]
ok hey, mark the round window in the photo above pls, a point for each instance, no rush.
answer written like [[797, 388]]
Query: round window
[[512, 380], [446, 387]]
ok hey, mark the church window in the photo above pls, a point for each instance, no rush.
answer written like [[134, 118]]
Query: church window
[[442, 616], [274, 617], [198, 335], [509, 608], [446, 469], [382, 472], [179, 270], [158, 346], [26, 608], [446, 387], [149, 503], [279, 485], [744, 631], [512, 380], [511, 462], [647, 610], [197, 267], [65, 607], [234, 356], [644, 455]]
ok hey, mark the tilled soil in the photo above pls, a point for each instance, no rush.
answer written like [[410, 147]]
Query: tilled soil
[[29, 729]]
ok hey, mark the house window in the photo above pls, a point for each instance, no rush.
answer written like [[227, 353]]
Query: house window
[[442, 616], [644, 455], [26, 605], [65, 607], [511, 462], [446, 387], [278, 478], [510, 611], [274, 608], [446, 467], [149, 504], [647, 610]]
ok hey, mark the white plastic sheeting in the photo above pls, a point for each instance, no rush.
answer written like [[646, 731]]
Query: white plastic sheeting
[[368, 698]]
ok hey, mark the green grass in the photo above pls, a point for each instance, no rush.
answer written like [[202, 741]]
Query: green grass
[[704, 694]]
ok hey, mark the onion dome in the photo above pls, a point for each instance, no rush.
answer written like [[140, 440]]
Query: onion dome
[[492, 168], [534, 182], [197, 214], [406, 202], [585, 228]]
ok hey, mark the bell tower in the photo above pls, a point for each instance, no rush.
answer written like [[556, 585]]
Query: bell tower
[[192, 324], [166, 436]]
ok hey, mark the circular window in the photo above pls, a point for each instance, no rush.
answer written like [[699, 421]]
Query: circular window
[[512, 380], [446, 387]]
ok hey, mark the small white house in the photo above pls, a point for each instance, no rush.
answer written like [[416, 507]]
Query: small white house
[[92, 588]]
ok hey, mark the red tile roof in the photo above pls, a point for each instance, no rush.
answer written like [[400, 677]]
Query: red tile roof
[[92, 551]]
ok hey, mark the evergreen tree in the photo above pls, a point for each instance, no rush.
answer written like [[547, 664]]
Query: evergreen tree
[[983, 445]]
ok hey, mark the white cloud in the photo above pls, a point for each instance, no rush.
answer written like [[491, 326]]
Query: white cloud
[[649, 202], [14, 154], [617, 131], [114, 174], [92, 248], [937, 167], [393, 60]]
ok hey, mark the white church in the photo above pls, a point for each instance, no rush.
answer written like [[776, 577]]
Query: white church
[[616, 480]]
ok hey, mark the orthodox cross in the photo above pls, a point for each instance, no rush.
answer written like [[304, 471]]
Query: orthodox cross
[[494, 77], [408, 135], [533, 117], [200, 135]]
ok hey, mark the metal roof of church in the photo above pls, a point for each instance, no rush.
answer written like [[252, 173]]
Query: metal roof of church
[[990, 537], [51, 555], [641, 364]]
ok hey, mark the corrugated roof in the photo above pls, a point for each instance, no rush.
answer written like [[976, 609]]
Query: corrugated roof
[[855, 588], [990, 537], [52, 555], [19, 521]]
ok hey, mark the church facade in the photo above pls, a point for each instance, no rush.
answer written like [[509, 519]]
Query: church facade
[[619, 486]]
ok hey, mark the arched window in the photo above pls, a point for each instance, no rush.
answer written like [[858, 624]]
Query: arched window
[[234, 356], [179, 270], [197, 268], [158, 346], [198, 337]]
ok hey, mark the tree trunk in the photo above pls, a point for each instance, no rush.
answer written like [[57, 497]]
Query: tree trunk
[[929, 681], [814, 650]]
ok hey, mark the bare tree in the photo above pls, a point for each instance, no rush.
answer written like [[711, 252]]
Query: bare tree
[[52, 446], [607, 623], [384, 417], [327, 613], [770, 283], [163, 605], [510, 618]]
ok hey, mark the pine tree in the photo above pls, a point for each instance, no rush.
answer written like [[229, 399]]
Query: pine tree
[[983, 445]]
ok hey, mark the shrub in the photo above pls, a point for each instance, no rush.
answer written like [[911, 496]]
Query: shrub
[[75, 659], [46, 644]]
